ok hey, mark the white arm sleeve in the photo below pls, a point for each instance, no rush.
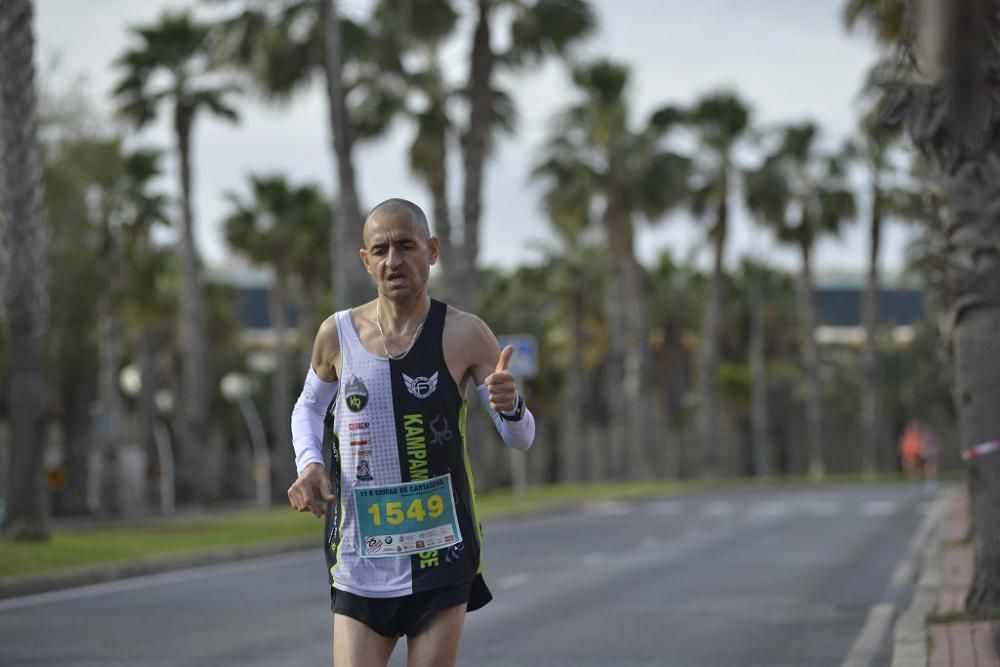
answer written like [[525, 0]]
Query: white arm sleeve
[[520, 434], [307, 419]]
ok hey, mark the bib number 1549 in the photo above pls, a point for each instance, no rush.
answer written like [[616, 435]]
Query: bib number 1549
[[393, 514]]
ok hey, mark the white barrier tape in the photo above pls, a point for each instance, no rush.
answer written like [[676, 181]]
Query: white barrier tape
[[980, 450]]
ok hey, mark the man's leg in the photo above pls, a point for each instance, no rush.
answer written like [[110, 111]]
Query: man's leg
[[357, 645], [436, 645]]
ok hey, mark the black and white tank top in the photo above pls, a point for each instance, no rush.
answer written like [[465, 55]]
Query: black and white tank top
[[395, 422]]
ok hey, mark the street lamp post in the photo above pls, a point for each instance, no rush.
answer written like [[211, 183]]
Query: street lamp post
[[164, 401], [236, 388], [130, 380]]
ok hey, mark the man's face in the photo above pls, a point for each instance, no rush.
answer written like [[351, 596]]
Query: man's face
[[398, 255]]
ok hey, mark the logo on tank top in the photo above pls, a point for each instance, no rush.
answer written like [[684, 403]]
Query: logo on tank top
[[356, 394], [364, 470], [421, 387], [440, 431]]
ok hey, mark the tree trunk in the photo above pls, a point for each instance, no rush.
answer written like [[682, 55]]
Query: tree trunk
[[282, 456], [26, 282], [641, 463], [708, 350], [192, 330], [110, 417], [628, 349], [976, 345], [758, 374], [449, 252], [810, 366], [571, 441], [306, 324], [474, 147], [145, 350], [870, 408], [350, 283], [76, 430], [961, 150]]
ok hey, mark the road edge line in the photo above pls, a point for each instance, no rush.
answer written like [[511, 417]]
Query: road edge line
[[909, 647], [32, 584]]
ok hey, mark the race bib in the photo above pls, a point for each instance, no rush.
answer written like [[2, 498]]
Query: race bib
[[406, 518]]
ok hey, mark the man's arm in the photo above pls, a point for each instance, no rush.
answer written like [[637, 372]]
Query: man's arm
[[498, 387], [311, 491]]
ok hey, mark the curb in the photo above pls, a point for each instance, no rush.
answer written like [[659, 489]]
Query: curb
[[909, 647], [83, 576]]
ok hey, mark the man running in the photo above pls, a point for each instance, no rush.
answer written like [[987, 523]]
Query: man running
[[403, 535]]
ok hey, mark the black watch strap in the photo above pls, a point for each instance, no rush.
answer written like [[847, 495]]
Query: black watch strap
[[517, 414]]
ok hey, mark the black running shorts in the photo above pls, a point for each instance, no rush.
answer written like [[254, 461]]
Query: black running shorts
[[395, 617]]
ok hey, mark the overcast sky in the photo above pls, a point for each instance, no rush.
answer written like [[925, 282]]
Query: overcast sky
[[789, 58]]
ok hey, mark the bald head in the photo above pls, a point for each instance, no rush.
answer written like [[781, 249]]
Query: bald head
[[393, 208]]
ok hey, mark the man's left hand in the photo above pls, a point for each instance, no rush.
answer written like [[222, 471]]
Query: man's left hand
[[501, 385]]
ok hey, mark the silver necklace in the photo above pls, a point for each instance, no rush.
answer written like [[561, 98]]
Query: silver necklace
[[413, 339]]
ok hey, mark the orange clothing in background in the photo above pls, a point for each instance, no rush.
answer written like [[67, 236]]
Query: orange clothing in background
[[909, 445]]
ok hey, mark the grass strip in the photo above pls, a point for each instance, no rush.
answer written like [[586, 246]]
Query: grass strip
[[962, 617]]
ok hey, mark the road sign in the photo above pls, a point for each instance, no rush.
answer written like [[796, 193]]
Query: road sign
[[524, 361]]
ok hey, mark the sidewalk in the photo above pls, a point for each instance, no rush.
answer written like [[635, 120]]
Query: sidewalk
[[946, 575]]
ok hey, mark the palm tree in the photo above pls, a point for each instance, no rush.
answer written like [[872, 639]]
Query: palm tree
[[538, 29], [72, 338], [676, 306], [419, 27], [720, 121], [873, 149], [148, 309], [886, 18], [26, 271], [948, 101], [169, 67], [429, 158], [286, 45], [101, 187], [802, 194], [757, 357], [570, 191], [311, 269], [632, 176], [269, 229]]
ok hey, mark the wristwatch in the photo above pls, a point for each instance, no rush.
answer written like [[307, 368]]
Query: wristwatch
[[517, 414]]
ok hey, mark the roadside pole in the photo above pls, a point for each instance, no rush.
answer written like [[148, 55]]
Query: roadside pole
[[236, 388]]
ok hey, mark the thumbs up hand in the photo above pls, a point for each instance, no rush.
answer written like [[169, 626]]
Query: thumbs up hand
[[501, 385]]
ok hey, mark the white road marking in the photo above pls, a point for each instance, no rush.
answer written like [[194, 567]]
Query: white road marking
[[163, 579], [513, 581], [666, 508], [717, 508], [903, 573], [926, 524], [866, 645], [769, 508], [878, 508], [650, 542], [822, 507]]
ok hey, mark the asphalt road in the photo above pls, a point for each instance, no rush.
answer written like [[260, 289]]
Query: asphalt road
[[795, 578]]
